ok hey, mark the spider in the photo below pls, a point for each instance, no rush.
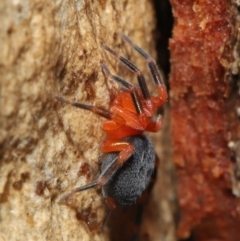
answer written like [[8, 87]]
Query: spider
[[129, 160]]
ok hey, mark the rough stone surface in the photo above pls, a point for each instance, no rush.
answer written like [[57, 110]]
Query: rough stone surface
[[50, 48]]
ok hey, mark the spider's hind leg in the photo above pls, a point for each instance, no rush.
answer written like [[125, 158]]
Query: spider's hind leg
[[125, 150], [79, 189]]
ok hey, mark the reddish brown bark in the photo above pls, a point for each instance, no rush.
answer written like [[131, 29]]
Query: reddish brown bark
[[200, 124]]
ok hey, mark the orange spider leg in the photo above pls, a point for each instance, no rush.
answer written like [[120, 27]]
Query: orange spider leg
[[155, 126], [159, 101], [148, 107], [125, 150]]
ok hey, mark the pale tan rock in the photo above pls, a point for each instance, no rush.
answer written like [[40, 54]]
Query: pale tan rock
[[50, 48]]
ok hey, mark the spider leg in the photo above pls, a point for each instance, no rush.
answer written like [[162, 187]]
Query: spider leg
[[79, 189], [127, 85], [156, 74], [95, 109], [125, 150], [116, 78], [156, 125], [133, 68]]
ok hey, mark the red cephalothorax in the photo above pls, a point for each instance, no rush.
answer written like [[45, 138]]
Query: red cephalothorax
[[131, 114]]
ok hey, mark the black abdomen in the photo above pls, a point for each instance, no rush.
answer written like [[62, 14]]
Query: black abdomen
[[129, 181]]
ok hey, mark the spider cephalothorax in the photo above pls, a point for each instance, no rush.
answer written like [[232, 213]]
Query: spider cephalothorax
[[129, 159]]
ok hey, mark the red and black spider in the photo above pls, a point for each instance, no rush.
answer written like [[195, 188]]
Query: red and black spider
[[129, 160]]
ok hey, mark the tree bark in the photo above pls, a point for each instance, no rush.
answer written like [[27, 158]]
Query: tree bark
[[47, 49], [204, 97]]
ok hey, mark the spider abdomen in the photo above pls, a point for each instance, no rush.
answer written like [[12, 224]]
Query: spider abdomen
[[129, 181]]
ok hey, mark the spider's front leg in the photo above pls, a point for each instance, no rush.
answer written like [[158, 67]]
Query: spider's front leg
[[155, 72]]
